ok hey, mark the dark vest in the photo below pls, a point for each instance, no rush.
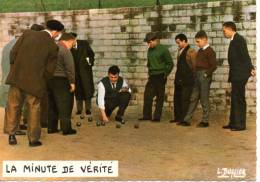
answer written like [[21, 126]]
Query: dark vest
[[110, 92], [183, 75]]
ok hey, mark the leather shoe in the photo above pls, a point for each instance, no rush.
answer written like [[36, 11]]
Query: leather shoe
[[51, 131], [174, 121], [155, 120], [88, 112], [23, 127], [184, 123], [12, 140], [144, 119], [35, 144], [120, 119], [227, 127], [78, 112], [203, 125], [19, 132], [70, 132], [238, 129]]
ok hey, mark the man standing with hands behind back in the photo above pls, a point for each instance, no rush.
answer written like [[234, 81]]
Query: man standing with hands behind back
[[33, 61], [240, 69]]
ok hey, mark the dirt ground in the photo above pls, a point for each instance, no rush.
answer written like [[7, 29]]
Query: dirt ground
[[155, 151]]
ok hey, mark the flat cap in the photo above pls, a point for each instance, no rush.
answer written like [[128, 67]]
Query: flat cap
[[150, 36], [54, 25]]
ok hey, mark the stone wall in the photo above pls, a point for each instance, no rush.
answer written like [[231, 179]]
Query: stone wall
[[116, 35]]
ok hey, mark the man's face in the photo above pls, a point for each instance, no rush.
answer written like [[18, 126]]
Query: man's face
[[201, 42], [56, 34], [181, 44], [228, 32], [71, 43], [113, 78], [152, 43]]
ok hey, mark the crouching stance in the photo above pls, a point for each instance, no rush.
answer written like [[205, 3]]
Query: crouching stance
[[113, 91]]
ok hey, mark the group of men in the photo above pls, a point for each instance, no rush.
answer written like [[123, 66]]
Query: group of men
[[193, 78], [44, 69]]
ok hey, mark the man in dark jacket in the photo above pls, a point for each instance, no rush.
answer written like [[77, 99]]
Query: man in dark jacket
[[61, 88], [33, 60], [184, 78], [240, 69], [84, 60]]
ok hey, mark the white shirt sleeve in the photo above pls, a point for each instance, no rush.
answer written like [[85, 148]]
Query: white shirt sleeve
[[125, 84], [101, 95]]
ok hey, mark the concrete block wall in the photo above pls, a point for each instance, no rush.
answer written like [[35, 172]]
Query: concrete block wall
[[116, 35]]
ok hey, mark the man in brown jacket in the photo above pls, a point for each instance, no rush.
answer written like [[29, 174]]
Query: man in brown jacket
[[33, 60]]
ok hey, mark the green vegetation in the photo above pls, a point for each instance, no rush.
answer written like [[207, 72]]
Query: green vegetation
[[55, 5]]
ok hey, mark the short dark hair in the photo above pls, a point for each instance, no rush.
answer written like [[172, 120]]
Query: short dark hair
[[37, 27], [201, 34], [67, 36], [54, 25], [181, 37], [151, 36], [231, 25], [114, 70]]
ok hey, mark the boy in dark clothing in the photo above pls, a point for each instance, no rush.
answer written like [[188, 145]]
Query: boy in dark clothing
[[184, 78], [159, 65], [206, 64]]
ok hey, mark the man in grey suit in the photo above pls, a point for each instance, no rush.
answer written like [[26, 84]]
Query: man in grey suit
[[33, 60], [240, 69]]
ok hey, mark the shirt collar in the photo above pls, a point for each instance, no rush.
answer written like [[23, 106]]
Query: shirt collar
[[48, 32], [76, 45], [233, 36], [205, 47]]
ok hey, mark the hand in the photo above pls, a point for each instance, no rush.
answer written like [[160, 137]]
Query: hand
[[105, 118], [124, 89], [253, 72], [72, 87]]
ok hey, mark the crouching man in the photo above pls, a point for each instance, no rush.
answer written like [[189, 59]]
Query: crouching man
[[113, 91]]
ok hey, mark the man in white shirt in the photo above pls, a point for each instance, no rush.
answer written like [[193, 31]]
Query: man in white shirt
[[113, 91]]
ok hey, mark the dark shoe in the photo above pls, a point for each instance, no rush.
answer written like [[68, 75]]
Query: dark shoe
[[12, 140], [184, 123], [174, 121], [70, 132], [120, 119], [155, 120], [238, 129], [227, 127], [203, 125], [88, 112], [78, 112], [51, 131], [19, 132], [35, 144], [23, 127], [144, 119]]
